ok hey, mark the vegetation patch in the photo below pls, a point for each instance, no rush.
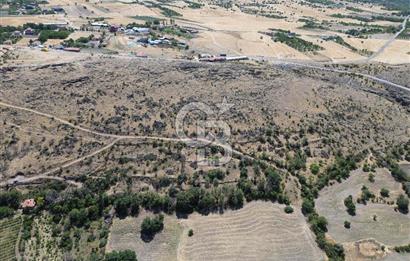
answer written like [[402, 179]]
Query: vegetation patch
[[49, 34], [339, 40], [9, 230], [309, 24], [406, 32], [124, 255], [169, 12], [149, 19], [375, 219], [193, 5], [322, 2], [402, 5], [296, 42], [151, 226]]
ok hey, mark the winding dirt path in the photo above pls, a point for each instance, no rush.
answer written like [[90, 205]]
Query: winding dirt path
[[46, 175], [22, 180]]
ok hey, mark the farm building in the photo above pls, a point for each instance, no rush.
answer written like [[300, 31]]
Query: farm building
[[28, 203]]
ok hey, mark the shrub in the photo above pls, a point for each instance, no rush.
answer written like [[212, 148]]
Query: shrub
[[308, 206], [103, 242], [216, 174], [365, 196], [319, 223], [402, 249], [50, 34], [10, 199], [121, 206], [288, 210], [6, 212], [78, 217], [124, 255], [235, 199], [65, 241], [384, 192], [351, 208], [314, 168], [347, 224], [371, 177], [151, 226], [403, 204], [398, 174], [190, 233]]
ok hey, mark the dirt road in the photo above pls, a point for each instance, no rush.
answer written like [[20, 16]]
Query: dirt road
[[403, 27]]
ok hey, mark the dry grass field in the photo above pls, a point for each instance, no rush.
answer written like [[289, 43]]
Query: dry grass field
[[125, 234], [91, 135], [241, 29], [259, 231], [391, 227], [288, 96]]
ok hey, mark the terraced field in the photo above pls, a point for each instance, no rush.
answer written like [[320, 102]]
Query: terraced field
[[390, 227], [9, 230], [259, 231]]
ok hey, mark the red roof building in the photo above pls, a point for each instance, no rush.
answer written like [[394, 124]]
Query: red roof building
[[28, 203]]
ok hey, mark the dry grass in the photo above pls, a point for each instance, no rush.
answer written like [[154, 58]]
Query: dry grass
[[234, 32], [125, 234], [259, 231], [391, 227]]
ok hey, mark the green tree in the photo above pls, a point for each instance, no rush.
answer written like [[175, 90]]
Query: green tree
[[124, 255], [371, 177], [78, 217], [314, 168], [235, 198], [288, 209], [351, 208], [347, 224], [206, 203], [384, 192], [308, 206], [403, 204], [6, 212], [122, 205], [93, 212], [151, 226], [366, 195], [10, 199]]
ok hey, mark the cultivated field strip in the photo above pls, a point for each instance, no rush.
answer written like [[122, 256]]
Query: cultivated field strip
[[259, 231], [9, 230]]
